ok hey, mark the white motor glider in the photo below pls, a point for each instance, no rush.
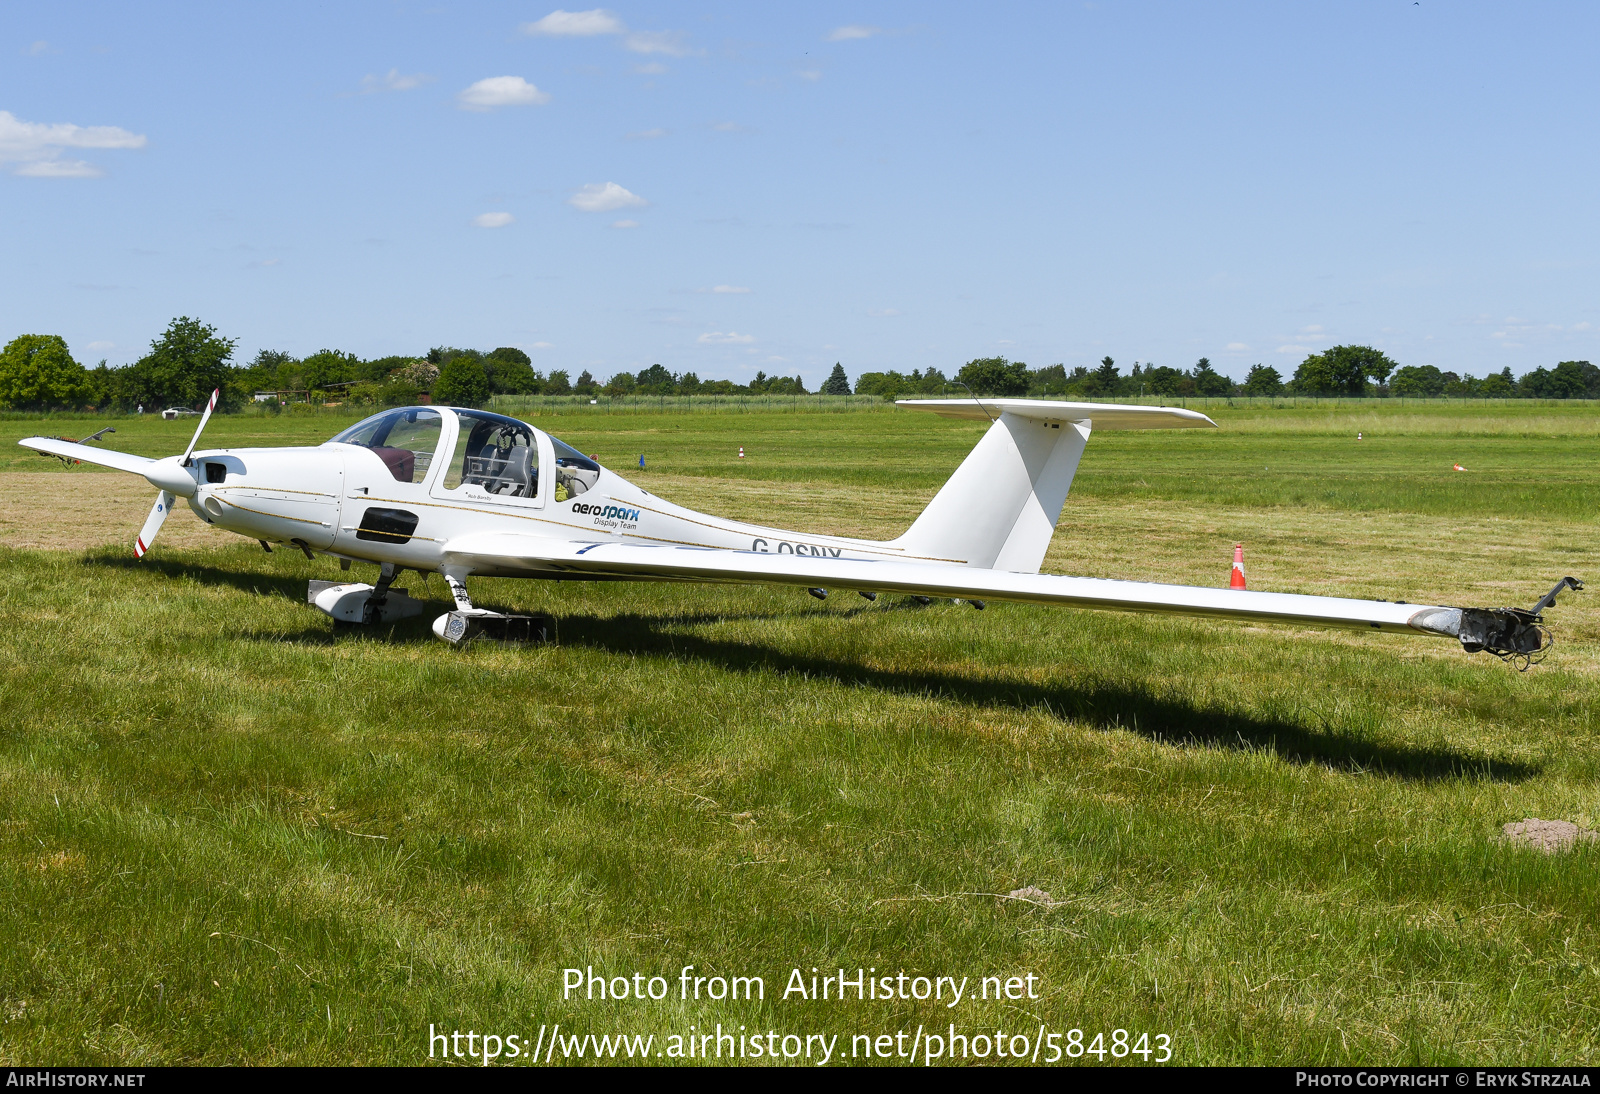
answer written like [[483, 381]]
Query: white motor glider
[[463, 492]]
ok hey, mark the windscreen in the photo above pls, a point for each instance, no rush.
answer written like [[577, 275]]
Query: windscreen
[[575, 472], [405, 440]]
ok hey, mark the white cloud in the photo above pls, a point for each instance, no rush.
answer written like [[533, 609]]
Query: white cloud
[[394, 81], [1315, 328], [97, 347], [730, 127], [889, 313], [493, 220], [1294, 349], [624, 223], [729, 289], [543, 345], [668, 42], [36, 147], [264, 263], [575, 24], [1237, 347], [852, 33], [38, 48], [603, 197], [654, 68], [809, 74], [1580, 326], [59, 169], [731, 338], [501, 91], [647, 134]]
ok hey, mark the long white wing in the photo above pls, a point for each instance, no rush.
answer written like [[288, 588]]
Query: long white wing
[[105, 457], [511, 553]]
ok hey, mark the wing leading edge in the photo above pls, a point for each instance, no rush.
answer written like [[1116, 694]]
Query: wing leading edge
[[532, 555], [105, 457]]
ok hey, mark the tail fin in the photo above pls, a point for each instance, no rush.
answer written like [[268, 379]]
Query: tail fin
[[1000, 508]]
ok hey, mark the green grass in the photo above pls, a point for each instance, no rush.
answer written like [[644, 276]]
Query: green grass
[[1273, 844]]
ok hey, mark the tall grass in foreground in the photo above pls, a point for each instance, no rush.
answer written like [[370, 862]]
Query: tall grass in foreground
[[228, 833]]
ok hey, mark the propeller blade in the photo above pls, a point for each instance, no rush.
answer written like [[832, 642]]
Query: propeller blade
[[204, 418], [152, 523]]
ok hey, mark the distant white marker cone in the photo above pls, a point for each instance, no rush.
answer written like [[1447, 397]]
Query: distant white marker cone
[[741, 452], [1236, 578]]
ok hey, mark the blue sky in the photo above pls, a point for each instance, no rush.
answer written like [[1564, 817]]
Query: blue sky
[[723, 188]]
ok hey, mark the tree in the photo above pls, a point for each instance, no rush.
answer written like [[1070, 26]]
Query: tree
[[1262, 381], [1417, 381], [885, 385], [1050, 380], [585, 384], [329, 366], [511, 354], [263, 371], [1341, 370], [462, 382], [622, 383], [1208, 381], [688, 383], [1570, 379], [656, 380], [1107, 373], [558, 384], [1161, 379], [1497, 385], [995, 376], [837, 382], [38, 373], [182, 368], [1591, 378], [379, 368], [511, 372]]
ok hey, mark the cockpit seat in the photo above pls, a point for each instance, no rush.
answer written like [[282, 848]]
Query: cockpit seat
[[401, 462], [520, 475]]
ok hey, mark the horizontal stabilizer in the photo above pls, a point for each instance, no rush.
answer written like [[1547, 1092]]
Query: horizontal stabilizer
[[1103, 415]]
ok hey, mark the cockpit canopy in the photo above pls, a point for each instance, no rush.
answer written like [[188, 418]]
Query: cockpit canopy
[[493, 453]]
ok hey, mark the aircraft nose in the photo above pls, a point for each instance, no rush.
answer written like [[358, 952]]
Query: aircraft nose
[[170, 475]]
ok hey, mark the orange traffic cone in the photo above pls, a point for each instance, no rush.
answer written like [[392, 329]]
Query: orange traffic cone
[[741, 452], [1457, 467], [1236, 579]]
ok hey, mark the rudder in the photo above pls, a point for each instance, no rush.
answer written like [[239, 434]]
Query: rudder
[[1000, 508]]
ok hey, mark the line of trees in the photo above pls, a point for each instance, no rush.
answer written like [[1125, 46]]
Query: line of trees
[[1347, 371], [190, 359]]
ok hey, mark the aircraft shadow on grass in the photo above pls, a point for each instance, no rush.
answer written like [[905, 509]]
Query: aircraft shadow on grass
[[289, 586], [1100, 704], [1104, 705]]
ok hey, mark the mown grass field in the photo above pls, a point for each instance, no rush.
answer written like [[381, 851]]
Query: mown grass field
[[229, 834]]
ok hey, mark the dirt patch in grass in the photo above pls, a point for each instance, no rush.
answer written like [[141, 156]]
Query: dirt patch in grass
[[1548, 836], [52, 511]]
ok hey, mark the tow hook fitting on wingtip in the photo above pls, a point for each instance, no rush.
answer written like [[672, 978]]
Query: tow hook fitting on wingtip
[[1515, 635], [460, 627]]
